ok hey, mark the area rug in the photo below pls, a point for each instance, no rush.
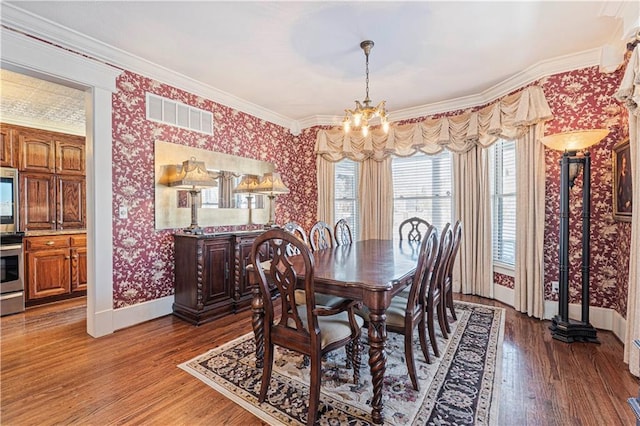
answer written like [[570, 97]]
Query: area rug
[[459, 387]]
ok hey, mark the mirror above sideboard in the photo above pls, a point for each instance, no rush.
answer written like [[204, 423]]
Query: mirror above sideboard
[[220, 206]]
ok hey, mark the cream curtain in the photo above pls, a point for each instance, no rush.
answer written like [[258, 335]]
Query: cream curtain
[[465, 134], [376, 199], [629, 93], [507, 117], [326, 190], [472, 204], [530, 211]]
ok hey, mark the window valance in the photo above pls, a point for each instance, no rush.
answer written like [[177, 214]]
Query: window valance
[[507, 117]]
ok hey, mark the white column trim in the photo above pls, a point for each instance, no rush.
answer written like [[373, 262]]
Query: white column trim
[[26, 55]]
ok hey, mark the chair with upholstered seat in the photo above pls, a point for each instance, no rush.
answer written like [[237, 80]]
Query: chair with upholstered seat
[[298, 231], [406, 313], [309, 329], [413, 229], [342, 233], [321, 236], [433, 302], [447, 288]]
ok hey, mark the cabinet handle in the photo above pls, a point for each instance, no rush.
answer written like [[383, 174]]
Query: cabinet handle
[[226, 270], [50, 243]]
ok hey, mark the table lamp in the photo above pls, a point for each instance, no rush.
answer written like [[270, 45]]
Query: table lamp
[[193, 176], [248, 185], [271, 184]]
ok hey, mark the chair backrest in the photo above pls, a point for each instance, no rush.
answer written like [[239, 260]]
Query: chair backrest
[[427, 256], [457, 237], [342, 233], [414, 228], [298, 231], [285, 273], [444, 251], [321, 236]]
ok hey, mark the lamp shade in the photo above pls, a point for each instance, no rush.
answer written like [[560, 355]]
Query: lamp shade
[[271, 183], [575, 140], [248, 184], [194, 174]]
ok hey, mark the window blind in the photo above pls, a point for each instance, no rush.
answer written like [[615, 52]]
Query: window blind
[[422, 187], [503, 191], [346, 194]]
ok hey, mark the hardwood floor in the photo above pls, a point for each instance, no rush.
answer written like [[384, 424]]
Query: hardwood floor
[[52, 372]]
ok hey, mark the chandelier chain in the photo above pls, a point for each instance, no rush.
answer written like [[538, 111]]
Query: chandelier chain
[[366, 99]]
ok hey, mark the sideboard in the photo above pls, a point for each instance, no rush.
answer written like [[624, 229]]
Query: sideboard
[[210, 275]]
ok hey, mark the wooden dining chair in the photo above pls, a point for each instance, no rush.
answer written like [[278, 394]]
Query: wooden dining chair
[[447, 289], [404, 314], [342, 233], [297, 230], [308, 329], [413, 228], [433, 302], [321, 236]]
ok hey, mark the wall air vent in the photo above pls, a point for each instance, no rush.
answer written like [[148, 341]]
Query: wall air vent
[[177, 114]]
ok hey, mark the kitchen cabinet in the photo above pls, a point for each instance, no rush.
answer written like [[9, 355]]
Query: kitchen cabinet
[[8, 150], [210, 276], [52, 187], [55, 267], [50, 201]]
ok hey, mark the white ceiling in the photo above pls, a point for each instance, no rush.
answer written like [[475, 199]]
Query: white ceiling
[[301, 60]]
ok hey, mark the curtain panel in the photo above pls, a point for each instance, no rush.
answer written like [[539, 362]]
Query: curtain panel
[[629, 93], [508, 117]]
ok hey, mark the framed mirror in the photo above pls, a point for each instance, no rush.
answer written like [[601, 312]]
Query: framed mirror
[[219, 205]]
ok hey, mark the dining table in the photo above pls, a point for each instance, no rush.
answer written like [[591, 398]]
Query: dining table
[[369, 271]]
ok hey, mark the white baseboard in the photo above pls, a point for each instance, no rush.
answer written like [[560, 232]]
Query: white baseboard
[[136, 314], [601, 318]]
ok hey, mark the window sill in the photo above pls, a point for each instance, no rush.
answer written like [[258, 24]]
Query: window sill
[[504, 269]]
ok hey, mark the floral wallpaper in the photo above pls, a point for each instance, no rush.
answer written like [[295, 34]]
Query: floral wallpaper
[[143, 257], [583, 99], [504, 280]]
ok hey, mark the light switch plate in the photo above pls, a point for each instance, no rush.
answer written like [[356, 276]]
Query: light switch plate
[[123, 212]]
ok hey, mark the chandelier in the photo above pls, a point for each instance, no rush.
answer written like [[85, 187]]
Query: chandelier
[[359, 117]]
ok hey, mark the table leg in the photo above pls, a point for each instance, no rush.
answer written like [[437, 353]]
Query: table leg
[[377, 361], [257, 321]]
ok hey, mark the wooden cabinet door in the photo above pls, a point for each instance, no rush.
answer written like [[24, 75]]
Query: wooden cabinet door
[[37, 201], [37, 152], [78, 269], [217, 281], [48, 273], [243, 289], [70, 202], [8, 154], [70, 157], [78, 262]]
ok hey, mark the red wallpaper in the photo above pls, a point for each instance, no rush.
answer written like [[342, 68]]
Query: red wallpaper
[[583, 99], [143, 257]]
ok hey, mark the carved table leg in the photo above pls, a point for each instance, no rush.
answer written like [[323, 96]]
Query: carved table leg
[[377, 361], [257, 306]]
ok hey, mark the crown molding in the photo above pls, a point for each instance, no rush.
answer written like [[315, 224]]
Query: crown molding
[[36, 26], [47, 30], [587, 58]]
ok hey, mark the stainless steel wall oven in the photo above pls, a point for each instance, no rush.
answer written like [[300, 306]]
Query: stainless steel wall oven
[[11, 274]]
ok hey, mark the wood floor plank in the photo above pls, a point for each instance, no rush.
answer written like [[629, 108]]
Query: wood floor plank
[[52, 372]]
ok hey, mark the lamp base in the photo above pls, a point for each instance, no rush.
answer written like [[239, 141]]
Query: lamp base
[[194, 230], [572, 331]]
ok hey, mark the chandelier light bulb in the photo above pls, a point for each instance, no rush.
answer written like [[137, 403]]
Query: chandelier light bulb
[[385, 126], [365, 130]]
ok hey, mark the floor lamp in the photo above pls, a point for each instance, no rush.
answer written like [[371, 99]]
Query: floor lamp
[[575, 158], [271, 184], [248, 185], [193, 177]]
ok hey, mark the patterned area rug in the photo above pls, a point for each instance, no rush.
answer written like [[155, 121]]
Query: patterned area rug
[[460, 387]]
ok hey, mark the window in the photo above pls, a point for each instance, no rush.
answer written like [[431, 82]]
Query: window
[[422, 186], [346, 194], [503, 194]]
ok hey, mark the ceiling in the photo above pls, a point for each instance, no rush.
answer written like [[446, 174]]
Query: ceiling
[[301, 61]]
